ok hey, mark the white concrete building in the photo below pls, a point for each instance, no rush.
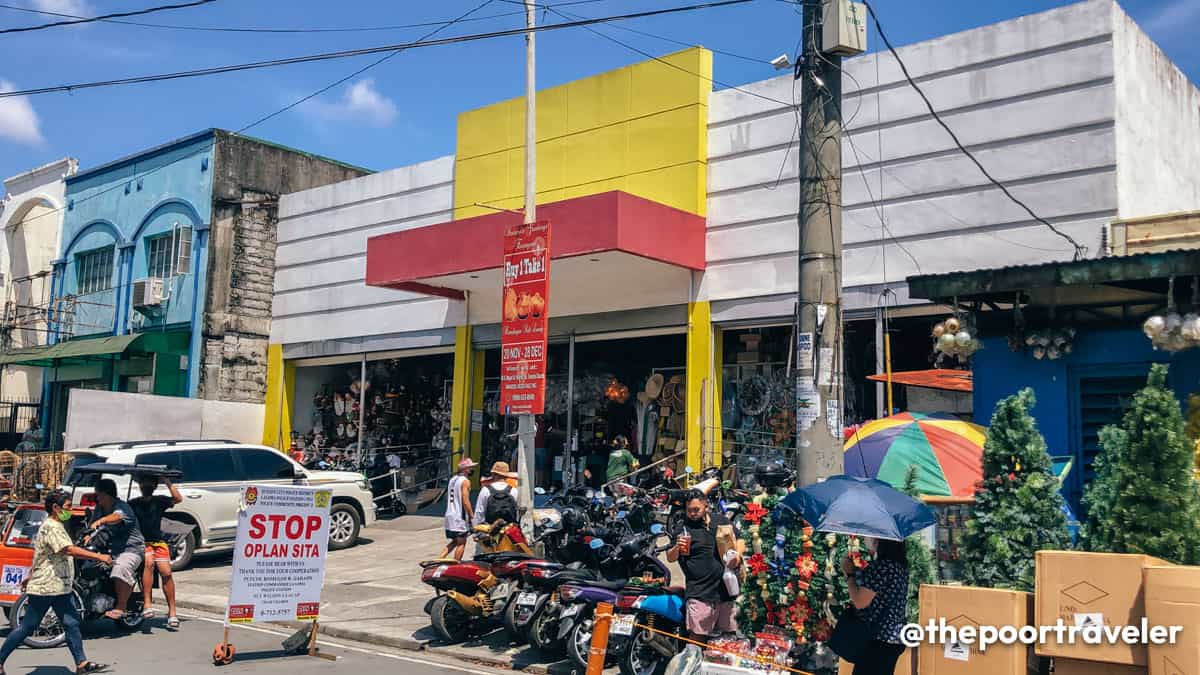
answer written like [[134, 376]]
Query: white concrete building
[[31, 219]]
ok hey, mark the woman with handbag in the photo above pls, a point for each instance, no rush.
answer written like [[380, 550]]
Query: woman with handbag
[[879, 594]]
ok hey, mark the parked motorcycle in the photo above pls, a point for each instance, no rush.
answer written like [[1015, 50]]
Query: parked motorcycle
[[639, 651]]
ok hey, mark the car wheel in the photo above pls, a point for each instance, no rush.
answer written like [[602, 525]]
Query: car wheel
[[343, 527], [182, 553]]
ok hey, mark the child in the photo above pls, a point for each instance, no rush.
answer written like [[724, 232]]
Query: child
[[149, 510]]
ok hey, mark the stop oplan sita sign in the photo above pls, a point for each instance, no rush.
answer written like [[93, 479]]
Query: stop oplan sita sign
[[279, 558]]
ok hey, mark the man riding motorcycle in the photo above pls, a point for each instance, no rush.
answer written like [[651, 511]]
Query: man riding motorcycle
[[126, 544]]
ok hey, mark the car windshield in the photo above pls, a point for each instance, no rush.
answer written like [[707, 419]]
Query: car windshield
[[82, 479], [25, 524]]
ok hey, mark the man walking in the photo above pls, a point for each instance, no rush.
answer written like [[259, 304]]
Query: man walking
[[710, 606], [458, 510], [126, 544]]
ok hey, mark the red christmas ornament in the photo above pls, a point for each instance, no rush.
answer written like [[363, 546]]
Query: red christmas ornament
[[758, 564], [807, 566], [755, 513]]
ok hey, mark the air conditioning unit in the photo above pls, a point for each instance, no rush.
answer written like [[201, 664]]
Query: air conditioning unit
[[148, 293]]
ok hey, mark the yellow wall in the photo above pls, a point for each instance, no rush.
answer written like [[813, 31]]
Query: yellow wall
[[642, 129], [700, 380], [281, 387], [460, 396]]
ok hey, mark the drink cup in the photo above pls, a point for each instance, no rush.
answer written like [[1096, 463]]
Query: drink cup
[[685, 544]]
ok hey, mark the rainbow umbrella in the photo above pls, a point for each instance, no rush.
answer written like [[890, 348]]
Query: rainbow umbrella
[[947, 451]]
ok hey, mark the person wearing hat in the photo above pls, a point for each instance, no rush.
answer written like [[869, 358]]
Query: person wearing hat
[[500, 481], [458, 510]]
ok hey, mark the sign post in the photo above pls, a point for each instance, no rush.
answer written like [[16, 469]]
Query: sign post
[[279, 559]]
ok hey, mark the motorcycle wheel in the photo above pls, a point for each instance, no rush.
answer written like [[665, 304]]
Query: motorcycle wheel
[[50, 633], [514, 632], [641, 658], [579, 643], [543, 630], [449, 620]]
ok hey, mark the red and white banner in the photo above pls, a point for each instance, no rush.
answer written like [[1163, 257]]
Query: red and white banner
[[524, 325], [279, 558]]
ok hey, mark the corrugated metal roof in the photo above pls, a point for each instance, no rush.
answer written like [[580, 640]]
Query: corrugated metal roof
[[1054, 274]]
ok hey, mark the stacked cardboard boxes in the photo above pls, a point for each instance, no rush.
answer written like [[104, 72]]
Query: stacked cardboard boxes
[[1173, 599], [963, 606]]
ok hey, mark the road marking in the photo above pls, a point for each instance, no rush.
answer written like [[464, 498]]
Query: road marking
[[360, 650]]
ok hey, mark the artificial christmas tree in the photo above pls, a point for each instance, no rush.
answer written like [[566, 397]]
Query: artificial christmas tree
[[920, 558], [1018, 510], [1144, 498], [1193, 427]]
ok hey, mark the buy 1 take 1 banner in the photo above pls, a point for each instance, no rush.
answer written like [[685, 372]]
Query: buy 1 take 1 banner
[[524, 322], [279, 559]]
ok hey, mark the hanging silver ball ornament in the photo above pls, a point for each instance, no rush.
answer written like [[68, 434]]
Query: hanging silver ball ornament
[[1053, 353], [1067, 349], [962, 339], [952, 325], [1031, 339], [939, 330], [1173, 322], [1071, 333], [1154, 326], [1177, 343], [1191, 327], [1039, 352], [946, 342]]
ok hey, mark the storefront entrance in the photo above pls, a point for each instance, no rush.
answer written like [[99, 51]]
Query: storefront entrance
[[600, 390]]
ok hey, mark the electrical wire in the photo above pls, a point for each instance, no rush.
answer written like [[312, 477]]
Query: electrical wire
[[234, 29], [89, 19], [326, 56], [1080, 250]]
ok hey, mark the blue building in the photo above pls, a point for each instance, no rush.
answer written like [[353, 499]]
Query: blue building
[[1097, 308], [166, 268]]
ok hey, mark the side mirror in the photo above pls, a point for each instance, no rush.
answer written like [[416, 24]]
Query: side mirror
[[596, 544]]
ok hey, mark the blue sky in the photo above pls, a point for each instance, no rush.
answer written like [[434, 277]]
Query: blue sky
[[404, 110]]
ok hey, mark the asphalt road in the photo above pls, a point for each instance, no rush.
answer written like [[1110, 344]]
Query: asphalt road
[[189, 650]]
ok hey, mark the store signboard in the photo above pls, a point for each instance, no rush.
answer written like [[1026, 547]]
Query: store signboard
[[524, 326]]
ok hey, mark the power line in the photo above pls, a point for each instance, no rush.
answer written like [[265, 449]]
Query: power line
[[89, 19], [326, 56], [1080, 251], [362, 70], [235, 29]]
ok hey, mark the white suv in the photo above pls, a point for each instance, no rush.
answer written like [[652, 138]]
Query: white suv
[[214, 473]]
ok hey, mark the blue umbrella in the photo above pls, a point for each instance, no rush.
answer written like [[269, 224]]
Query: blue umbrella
[[860, 506]]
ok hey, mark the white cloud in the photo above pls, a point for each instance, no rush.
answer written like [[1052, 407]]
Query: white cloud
[[18, 120], [73, 7], [1173, 15], [362, 102]]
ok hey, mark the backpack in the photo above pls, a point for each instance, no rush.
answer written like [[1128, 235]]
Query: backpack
[[501, 506]]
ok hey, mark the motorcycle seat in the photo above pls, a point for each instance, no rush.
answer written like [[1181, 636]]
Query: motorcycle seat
[[570, 575], [502, 556], [607, 584], [436, 561]]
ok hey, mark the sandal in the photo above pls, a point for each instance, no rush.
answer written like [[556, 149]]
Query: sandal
[[115, 614], [172, 622], [148, 613], [93, 667]]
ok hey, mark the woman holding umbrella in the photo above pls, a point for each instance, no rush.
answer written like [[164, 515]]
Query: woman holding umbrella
[[880, 594]]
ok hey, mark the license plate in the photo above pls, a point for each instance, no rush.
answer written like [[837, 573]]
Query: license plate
[[622, 625], [527, 599], [571, 610]]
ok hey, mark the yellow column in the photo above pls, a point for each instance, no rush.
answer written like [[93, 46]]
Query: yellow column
[[700, 390], [460, 395], [281, 387], [477, 404]]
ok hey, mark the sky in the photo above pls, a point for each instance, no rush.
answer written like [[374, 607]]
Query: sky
[[404, 110]]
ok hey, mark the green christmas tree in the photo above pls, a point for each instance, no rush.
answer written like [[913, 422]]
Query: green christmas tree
[[1018, 510], [1144, 498], [921, 569]]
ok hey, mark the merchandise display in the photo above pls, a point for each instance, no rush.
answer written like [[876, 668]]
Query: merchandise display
[[758, 398]]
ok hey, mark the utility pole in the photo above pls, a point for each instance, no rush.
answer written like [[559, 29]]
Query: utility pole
[[526, 425], [818, 295]]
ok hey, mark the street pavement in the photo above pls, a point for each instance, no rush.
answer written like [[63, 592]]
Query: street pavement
[[189, 651], [373, 594]]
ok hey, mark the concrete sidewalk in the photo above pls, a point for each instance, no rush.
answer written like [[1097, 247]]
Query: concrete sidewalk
[[373, 594]]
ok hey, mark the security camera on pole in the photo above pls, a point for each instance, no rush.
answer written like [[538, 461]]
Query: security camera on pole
[[831, 29]]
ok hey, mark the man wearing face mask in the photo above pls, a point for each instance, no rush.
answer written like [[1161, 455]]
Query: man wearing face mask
[[880, 594], [710, 606]]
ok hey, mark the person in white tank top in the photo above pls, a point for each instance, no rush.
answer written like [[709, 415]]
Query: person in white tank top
[[458, 510]]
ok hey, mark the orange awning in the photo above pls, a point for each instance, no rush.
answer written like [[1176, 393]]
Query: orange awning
[[948, 380]]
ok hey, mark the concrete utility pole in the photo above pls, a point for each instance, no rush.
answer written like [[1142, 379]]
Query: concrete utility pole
[[819, 353], [526, 425]]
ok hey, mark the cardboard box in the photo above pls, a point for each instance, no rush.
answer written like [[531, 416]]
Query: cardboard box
[[962, 606], [907, 665], [1173, 599], [1085, 589], [1078, 667]]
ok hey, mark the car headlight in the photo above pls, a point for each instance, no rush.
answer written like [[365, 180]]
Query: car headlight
[[365, 485]]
